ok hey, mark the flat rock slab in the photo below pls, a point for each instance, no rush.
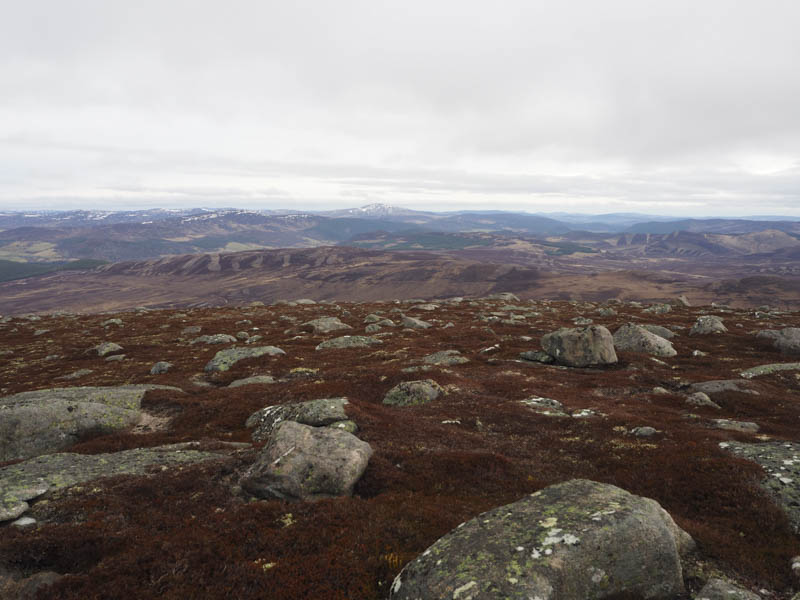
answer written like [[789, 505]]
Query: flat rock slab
[[317, 413], [730, 425], [781, 462], [323, 325], [301, 462], [225, 359], [43, 421], [254, 380], [769, 369], [349, 341], [572, 541], [29, 479]]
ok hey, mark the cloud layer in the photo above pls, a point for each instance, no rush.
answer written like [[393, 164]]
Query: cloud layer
[[675, 107]]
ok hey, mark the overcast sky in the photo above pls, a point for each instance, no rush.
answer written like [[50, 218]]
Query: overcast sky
[[674, 107]]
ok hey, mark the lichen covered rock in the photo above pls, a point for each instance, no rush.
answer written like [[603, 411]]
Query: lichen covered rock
[[577, 540], [581, 347]]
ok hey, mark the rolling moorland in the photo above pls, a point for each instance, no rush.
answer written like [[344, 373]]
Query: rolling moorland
[[503, 424], [160, 391]]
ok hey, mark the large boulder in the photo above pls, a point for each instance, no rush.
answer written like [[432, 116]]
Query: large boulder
[[301, 462], [225, 359], [706, 325], [43, 421], [412, 323], [323, 325], [577, 540], [634, 338], [581, 347], [410, 393], [786, 340], [317, 413]]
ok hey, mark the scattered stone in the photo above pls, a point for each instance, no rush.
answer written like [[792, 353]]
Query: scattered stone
[[581, 347], [323, 325], [115, 358], [572, 541], [683, 301], [723, 385], [537, 356], [160, 367], [410, 393], [730, 425], [316, 413], [106, 348], [706, 325], [109, 322], [658, 309], [606, 312], [446, 358], [719, 589], [302, 301], [412, 323], [633, 338], [254, 380], [77, 374], [225, 359], [660, 390], [242, 336], [32, 478], [506, 296], [372, 328], [701, 399], [24, 522], [372, 318], [426, 306], [349, 341], [699, 353], [39, 332], [769, 369], [217, 338], [581, 321], [41, 421], [644, 431], [546, 406], [301, 462], [191, 330]]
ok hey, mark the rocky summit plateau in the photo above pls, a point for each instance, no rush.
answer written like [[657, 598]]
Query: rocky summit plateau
[[462, 448]]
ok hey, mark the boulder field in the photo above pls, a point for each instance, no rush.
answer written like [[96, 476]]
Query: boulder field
[[460, 448]]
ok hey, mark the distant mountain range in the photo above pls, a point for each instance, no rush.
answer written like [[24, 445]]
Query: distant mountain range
[[138, 235]]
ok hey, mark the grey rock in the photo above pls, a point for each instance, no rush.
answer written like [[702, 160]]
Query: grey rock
[[254, 380], [660, 331], [349, 341], [723, 385], [425, 306], [225, 359], [644, 431], [701, 399], [372, 318], [581, 321], [191, 330], [372, 328], [606, 312], [42, 421], [769, 369], [307, 463], [410, 393], [683, 300], [24, 522], [115, 358], [445, 357], [633, 338], [109, 322], [304, 301], [106, 348], [323, 325], [217, 338], [386, 323], [28, 480], [77, 374], [546, 406], [160, 367], [706, 325], [581, 347], [506, 296], [572, 541], [537, 356], [316, 413], [242, 335], [412, 323], [719, 589], [730, 425], [658, 309], [39, 332]]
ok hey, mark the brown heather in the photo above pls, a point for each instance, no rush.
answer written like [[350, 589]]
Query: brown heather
[[183, 534]]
